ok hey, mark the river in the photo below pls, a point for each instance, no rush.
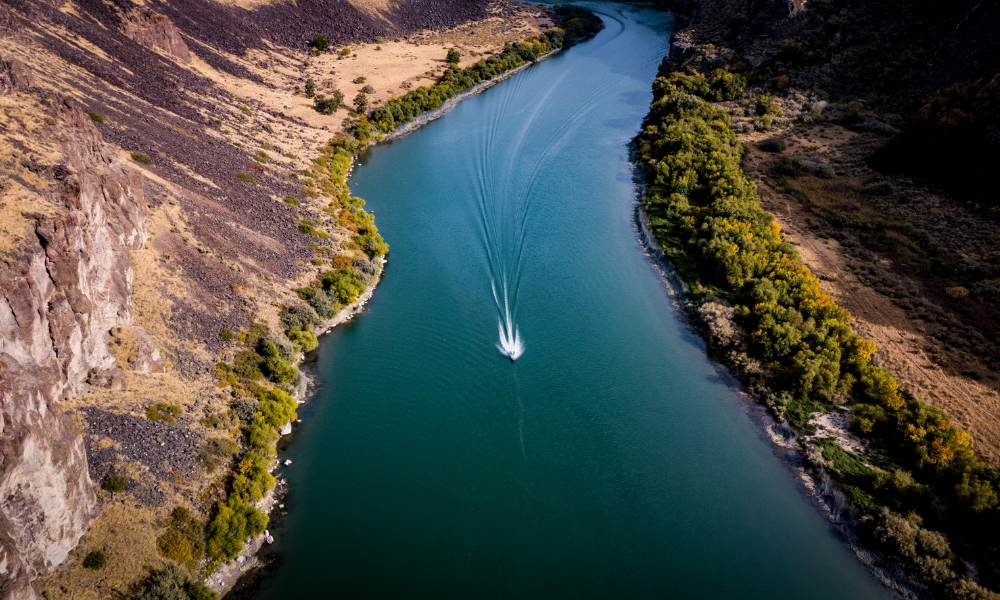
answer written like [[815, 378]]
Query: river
[[613, 459]]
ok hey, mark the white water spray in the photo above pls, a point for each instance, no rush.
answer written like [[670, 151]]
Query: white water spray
[[510, 338]]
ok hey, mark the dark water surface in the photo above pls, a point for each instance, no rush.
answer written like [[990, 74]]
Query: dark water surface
[[611, 460]]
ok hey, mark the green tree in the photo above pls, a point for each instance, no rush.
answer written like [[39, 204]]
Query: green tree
[[328, 106], [454, 56], [310, 88], [361, 103]]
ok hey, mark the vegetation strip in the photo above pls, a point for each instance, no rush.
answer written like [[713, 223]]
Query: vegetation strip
[[577, 24], [921, 494]]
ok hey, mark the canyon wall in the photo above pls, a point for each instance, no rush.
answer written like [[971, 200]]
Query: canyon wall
[[66, 284]]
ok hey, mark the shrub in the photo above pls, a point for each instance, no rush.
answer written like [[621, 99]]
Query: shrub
[[368, 89], [328, 106], [95, 559], [246, 177], [262, 157], [310, 88], [988, 290], [361, 130], [766, 105], [319, 42], [173, 545], [454, 56], [173, 582], [280, 342], [773, 145], [114, 483], [345, 284], [225, 421], [163, 412], [309, 228], [292, 201], [345, 52], [359, 80], [141, 158], [298, 316], [324, 303], [214, 451], [303, 339], [279, 370], [245, 408], [227, 335], [96, 118], [235, 521]]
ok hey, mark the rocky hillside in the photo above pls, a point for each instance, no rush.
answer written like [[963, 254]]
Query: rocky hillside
[[159, 188]]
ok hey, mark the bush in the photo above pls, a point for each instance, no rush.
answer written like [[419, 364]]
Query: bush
[[309, 228], [310, 88], [773, 145], [247, 178], [988, 290], [173, 582], [141, 158], [96, 118], [227, 335], [114, 483], [345, 52], [303, 339], [163, 412], [262, 157], [235, 520], [368, 89], [95, 559], [328, 106], [298, 316], [214, 451], [359, 80], [454, 56], [319, 42], [292, 201], [173, 545], [324, 303], [245, 408], [345, 284]]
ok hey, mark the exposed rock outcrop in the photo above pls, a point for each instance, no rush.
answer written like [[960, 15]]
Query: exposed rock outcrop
[[63, 290], [14, 76], [155, 31]]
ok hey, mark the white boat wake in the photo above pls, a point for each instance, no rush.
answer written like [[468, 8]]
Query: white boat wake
[[510, 338]]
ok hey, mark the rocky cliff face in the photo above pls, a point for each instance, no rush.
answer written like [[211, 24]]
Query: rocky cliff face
[[64, 287]]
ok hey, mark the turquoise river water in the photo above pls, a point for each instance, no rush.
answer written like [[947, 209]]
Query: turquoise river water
[[613, 459]]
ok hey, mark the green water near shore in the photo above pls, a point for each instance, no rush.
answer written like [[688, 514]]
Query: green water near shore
[[612, 459]]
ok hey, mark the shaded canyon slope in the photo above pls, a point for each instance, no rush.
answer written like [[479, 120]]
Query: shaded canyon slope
[[144, 209]]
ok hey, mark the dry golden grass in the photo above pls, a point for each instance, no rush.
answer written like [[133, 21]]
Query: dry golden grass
[[127, 535]]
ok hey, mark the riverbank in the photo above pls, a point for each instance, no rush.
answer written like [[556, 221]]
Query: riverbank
[[799, 452], [765, 315]]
